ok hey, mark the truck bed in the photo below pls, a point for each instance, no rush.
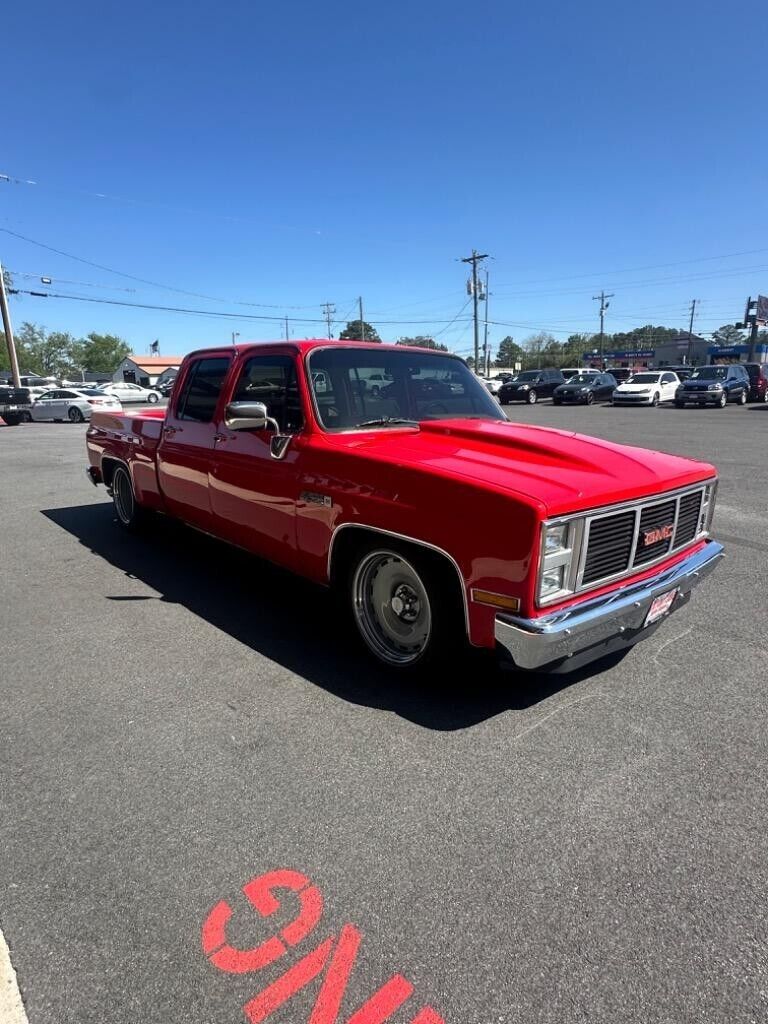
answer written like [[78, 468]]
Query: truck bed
[[130, 437]]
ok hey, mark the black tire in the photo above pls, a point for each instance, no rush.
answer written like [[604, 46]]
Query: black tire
[[428, 626], [743, 398], [590, 398], [557, 401], [722, 401], [130, 515], [375, 391], [655, 400], [152, 399], [74, 415], [25, 416], [532, 398]]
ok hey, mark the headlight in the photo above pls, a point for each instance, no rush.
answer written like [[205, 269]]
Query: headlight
[[523, 387], [583, 389], [645, 391], [559, 557], [715, 387]]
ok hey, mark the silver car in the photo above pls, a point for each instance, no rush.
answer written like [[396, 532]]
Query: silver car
[[75, 405], [127, 392]]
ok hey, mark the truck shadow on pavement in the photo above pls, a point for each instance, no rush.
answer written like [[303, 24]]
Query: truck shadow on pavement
[[297, 624]]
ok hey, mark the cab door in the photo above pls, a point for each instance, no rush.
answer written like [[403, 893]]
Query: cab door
[[254, 484], [186, 446]]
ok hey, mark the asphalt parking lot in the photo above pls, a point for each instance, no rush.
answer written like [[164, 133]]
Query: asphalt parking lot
[[177, 718]]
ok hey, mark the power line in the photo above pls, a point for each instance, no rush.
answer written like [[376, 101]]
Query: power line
[[143, 280], [215, 314]]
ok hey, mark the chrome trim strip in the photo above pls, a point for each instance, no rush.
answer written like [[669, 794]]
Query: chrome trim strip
[[533, 643], [409, 540]]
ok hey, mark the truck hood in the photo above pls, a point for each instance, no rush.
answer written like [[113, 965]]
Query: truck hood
[[555, 470]]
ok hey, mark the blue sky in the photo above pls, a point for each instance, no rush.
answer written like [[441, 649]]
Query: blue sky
[[292, 154]]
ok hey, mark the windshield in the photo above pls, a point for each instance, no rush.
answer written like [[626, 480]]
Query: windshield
[[416, 387], [529, 375], [644, 378], [710, 373], [582, 378]]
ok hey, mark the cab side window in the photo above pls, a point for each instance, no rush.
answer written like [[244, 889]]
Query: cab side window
[[273, 381], [202, 388]]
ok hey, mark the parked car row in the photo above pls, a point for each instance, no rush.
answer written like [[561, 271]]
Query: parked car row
[[701, 385]]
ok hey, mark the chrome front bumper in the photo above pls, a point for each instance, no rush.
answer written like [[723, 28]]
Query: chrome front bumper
[[596, 626]]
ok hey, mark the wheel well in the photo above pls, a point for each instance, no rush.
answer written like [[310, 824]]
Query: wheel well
[[108, 467], [348, 541]]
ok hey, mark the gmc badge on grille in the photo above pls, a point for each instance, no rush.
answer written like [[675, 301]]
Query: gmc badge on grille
[[654, 536]]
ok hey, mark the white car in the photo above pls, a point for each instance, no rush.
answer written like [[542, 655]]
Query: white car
[[649, 387], [128, 392], [75, 405], [493, 384]]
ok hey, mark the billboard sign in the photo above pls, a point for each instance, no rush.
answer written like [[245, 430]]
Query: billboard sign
[[761, 308]]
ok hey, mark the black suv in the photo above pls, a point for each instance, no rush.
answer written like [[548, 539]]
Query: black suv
[[15, 405], [714, 385], [530, 386]]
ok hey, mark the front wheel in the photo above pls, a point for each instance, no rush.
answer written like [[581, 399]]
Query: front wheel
[[655, 400], [74, 415], [590, 398], [722, 401], [402, 606], [743, 398], [152, 399], [532, 397]]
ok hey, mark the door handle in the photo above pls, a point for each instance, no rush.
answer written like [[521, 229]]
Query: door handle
[[170, 431]]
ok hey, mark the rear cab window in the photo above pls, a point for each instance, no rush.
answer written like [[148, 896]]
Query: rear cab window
[[199, 396]]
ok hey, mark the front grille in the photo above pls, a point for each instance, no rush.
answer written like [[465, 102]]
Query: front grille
[[633, 538], [655, 522], [610, 546]]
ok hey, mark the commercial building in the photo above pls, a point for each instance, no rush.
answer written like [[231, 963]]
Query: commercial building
[[146, 370]]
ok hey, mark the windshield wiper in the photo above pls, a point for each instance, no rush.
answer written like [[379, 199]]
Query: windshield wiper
[[385, 421]]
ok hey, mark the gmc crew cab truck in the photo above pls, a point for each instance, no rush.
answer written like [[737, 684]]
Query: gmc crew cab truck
[[439, 519]]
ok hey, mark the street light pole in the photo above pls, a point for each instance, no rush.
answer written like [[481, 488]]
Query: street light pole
[[6, 314]]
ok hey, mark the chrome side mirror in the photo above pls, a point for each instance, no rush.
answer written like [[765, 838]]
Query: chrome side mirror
[[247, 416]]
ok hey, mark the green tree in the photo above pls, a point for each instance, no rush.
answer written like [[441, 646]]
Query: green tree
[[422, 342], [509, 353], [101, 353], [359, 330], [50, 354], [728, 335], [540, 348]]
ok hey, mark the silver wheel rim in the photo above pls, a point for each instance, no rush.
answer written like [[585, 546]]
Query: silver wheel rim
[[74, 415], [391, 608], [532, 397], [122, 495], [152, 398]]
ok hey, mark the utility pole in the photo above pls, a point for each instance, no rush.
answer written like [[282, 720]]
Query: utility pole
[[287, 332], [235, 334], [486, 361], [603, 306], [474, 259], [329, 311], [362, 322], [9, 332], [690, 331]]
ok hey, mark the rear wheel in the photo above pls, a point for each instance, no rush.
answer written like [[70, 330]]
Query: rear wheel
[[403, 605], [532, 397], [74, 415], [130, 515], [25, 416]]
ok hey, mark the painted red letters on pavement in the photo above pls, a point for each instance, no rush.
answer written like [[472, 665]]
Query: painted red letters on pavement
[[340, 961]]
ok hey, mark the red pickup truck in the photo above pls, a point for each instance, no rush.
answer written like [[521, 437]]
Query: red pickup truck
[[392, 474]]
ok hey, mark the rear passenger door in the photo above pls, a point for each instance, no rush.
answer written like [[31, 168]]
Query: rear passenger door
[[185, 452]]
